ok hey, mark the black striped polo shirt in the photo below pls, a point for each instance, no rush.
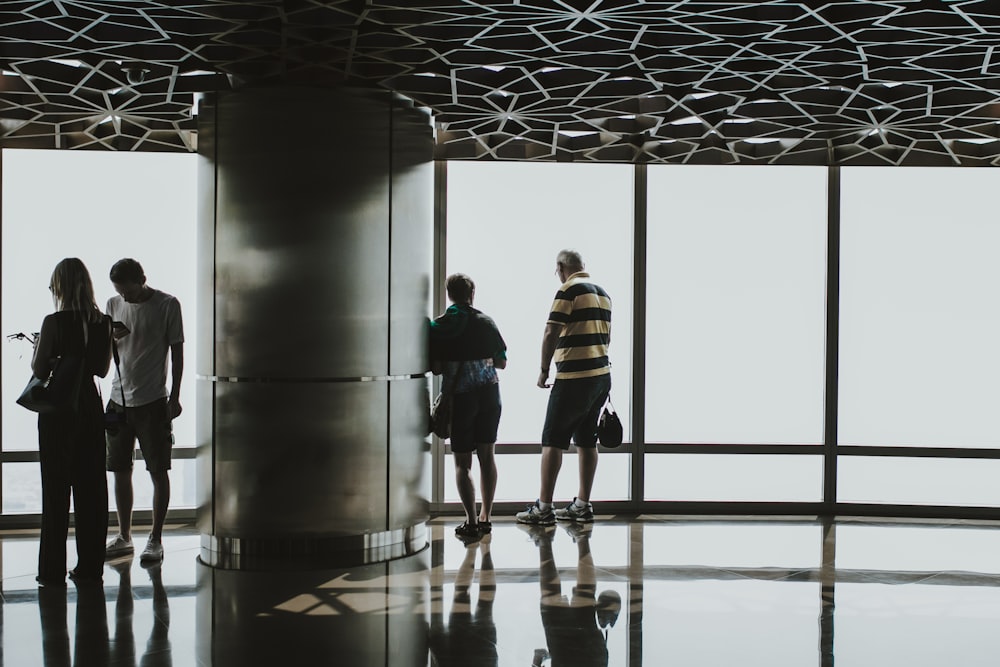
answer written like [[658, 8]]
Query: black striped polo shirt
[[584, 310]]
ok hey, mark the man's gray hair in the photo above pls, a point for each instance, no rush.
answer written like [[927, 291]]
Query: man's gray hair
[[571, 259]]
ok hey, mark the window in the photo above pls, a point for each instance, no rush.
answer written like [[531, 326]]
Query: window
[[735, 305], [506, 223], [99, 207]]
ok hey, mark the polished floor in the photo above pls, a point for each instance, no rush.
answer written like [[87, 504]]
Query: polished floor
[[645, 591]]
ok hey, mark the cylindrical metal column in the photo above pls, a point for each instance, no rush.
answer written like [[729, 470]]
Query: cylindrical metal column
[[315, 243]]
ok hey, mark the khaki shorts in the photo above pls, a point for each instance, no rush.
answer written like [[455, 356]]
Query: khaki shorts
[[148, 423]]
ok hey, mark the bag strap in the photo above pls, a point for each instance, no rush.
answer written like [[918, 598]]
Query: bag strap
[[118, 367]]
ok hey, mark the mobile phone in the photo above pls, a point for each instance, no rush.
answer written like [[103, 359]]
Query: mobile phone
[[120, 328]]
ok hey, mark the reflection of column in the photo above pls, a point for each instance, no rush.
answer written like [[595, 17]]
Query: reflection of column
[[371, 615], [314, 256], [828, 580]]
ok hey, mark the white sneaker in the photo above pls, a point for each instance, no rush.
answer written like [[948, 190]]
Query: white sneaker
[[152, 553], [118, 546]]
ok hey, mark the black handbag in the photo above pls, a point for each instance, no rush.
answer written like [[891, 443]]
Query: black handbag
[[60, 391], [441, 411], [609, 427]]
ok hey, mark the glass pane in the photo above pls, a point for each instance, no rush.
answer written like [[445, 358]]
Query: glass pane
[[506, 223], [519, 475], [735, 304], [99, 207], [706, 477], [919, 314], [918, 481], [22, 488]]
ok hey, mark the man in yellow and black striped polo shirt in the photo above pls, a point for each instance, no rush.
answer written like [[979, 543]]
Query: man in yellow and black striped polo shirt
[[577, 336]]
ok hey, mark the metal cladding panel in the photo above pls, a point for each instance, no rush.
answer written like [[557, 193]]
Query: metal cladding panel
[[205, 454], [411, 240], [409, 453], [205, 251], [300, 459], [302, 236]]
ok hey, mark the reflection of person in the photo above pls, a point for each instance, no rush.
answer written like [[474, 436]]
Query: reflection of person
[[71, 447], [470, 638], [573, 626], [158, 650], [466, 346], [90, 644], [577, 336], [152, 331]]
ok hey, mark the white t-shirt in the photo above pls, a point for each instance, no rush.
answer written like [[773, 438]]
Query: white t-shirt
[[156, 325]]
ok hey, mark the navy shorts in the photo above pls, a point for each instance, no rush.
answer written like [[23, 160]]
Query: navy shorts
[[574, 408], [474, 418], [151, 425]]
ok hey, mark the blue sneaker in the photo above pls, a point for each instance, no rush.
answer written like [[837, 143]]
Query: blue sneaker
[[536, 516]]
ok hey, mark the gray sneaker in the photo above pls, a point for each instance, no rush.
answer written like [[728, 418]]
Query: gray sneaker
[[153, 553], [118, 546], [573, 513], [536, 516]]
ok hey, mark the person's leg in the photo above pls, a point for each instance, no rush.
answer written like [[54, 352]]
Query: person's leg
[[156, 440], [55, 510], [161, 500], [588, 471], [487, 479], [123, 503], [485, 437], [594, 393], [466, 488], [120, 455], [463, 420], [90, 504], [551, 463]]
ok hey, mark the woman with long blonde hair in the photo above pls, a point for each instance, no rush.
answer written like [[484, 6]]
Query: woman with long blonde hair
[[71, 443]]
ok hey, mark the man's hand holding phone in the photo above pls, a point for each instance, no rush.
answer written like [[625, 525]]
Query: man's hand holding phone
[[119, 330]]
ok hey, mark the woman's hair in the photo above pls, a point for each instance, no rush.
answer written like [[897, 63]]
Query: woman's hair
[[71, 286], [460, 288]]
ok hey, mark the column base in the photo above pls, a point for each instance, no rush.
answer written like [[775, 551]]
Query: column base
[[312, 553]]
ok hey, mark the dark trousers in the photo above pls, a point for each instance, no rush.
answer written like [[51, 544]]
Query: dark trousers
[[72, 457]]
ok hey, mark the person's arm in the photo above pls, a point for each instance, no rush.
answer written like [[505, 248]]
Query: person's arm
[[174, 408], [41, 360], [550, 340]]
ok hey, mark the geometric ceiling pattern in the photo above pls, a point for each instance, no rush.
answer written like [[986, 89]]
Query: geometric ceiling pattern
[[900, 82]]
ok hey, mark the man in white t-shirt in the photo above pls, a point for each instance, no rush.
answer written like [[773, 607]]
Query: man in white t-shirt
[[148, 330]]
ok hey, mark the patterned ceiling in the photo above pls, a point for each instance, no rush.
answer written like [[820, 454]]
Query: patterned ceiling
[[896, 82]]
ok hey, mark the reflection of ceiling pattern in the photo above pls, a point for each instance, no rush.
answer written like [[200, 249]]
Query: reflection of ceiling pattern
[[893, 82]]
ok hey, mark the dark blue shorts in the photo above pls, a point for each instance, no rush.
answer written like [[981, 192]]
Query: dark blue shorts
[[574, 408], [475, 417]]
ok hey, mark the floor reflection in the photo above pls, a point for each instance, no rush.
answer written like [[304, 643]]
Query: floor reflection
[[641, 592]]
